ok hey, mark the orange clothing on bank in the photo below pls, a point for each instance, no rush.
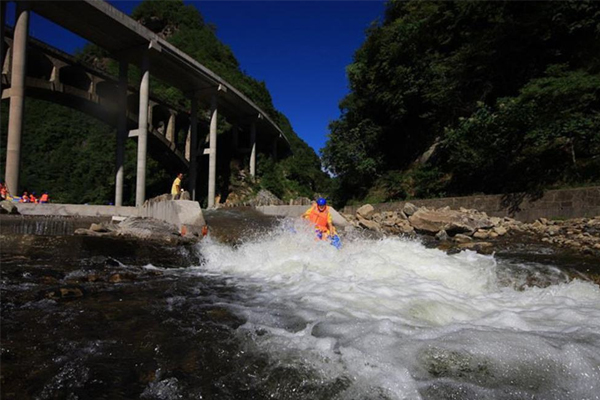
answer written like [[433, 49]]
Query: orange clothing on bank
[[44, 198], [321, 219]]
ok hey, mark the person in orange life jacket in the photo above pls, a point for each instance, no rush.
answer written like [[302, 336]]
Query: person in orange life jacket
[[3, 191], [320, 216], [32, 198], [44, 198], [25, 198]]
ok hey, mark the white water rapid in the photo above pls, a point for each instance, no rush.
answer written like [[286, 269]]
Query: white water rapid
[[393, 319]]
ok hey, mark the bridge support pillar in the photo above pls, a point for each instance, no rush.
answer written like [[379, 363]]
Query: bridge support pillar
[[253, 149], [121, 132], [193, 147], [140, 189], [212, 157], [17, 97]]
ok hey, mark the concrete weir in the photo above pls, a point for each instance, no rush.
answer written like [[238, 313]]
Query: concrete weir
[[177, 212]]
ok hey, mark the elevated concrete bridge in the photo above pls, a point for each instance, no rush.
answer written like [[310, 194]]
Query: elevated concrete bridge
[[55, 76], [58, 77]]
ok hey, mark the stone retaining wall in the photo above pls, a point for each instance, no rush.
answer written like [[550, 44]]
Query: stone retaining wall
[[555, 204]]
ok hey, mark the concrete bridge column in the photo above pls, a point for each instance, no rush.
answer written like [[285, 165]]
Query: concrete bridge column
[[212, 158], [170, 130], [121, 132], [17, 97], [253, 149], [140, 189], [194, 147]]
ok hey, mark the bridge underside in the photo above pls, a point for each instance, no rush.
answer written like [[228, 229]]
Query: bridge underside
[[171, 133]]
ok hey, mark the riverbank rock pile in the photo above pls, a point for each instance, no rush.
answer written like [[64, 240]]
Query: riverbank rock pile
[[582, 234], [472, 229]]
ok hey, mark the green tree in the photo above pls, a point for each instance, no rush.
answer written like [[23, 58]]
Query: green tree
[[429, 64]]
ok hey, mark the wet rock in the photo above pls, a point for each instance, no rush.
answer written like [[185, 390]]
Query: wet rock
[[460, 238], [120, 277], [405, 228], [86, 232], [500, 230], [66, 293], [480, 234], [441, 235], [365, 211], [111, 262], [480, 247], [98, 228], [371, 225], [432, 221]]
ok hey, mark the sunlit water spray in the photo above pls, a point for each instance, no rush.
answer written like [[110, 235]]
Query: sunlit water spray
[[393, 319]]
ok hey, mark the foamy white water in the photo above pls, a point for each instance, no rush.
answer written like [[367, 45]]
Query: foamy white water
[[394, 319]]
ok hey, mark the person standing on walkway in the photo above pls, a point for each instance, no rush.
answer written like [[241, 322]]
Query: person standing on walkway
[[176, 187]]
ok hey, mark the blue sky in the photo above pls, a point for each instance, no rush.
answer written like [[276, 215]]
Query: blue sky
[[299, 48]]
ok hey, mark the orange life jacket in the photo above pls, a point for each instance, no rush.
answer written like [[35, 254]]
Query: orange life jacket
[[32, 198], [319, 218], [44, 198]]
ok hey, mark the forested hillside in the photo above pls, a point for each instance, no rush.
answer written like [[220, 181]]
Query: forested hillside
[[72, 155], [453, 98]]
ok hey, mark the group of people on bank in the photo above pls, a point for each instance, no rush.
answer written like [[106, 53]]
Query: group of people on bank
[[25, 198]]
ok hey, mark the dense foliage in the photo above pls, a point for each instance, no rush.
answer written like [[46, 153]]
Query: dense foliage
[[463, 97], [73, 155]]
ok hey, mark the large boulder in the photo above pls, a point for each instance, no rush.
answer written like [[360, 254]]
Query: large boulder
[[452, 221], [365, 211], [367, 224]]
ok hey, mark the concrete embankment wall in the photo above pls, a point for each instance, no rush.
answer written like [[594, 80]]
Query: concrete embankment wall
[[297, 211], [177, 212], [562, 204]]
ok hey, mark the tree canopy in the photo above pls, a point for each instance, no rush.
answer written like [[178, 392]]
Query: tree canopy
[[458, 97]]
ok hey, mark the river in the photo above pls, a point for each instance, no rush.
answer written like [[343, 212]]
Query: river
[[279, 315]]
